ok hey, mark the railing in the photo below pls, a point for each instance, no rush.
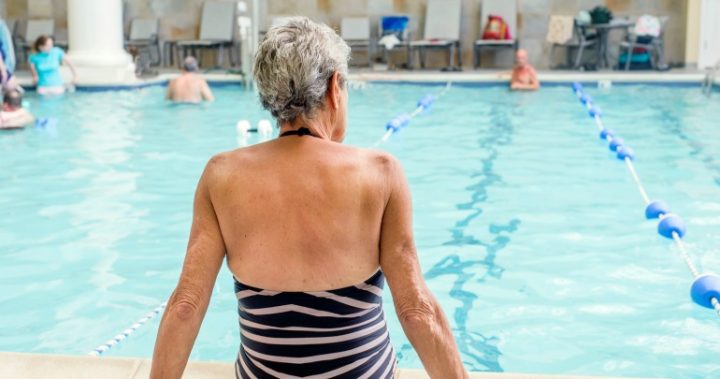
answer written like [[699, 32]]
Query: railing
[[709, 80]]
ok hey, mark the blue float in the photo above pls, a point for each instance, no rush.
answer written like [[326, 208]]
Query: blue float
[[605, 133], [577, 87], [616, 142], [585, 99], [655, 209], [426, 101], [625, 152], [398, 123], [671, 223], [704, 288], [594, 111]]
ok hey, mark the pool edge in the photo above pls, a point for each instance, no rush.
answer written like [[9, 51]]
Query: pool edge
[[31, 365], [467, 78]]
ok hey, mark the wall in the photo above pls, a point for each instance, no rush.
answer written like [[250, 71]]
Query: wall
[[180, 19]]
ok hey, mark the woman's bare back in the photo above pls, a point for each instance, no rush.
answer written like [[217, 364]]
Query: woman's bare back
[[302, 209]]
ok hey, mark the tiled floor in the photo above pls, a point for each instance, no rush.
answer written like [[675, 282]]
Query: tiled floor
[[46, 366]]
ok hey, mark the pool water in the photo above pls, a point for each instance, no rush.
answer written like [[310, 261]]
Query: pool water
[[530, 233]]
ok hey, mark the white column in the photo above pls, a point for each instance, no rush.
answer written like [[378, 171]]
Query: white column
[[709, 41], [95, 38]]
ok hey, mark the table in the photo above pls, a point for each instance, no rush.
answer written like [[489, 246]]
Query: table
[[603, 30], [169, 52]]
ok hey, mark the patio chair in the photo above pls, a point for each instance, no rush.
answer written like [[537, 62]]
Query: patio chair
[[33, 29], [356, 32], [397, 26], [217, 31], [279, 21], [144, 37], [580, 40], [652, 43], [507, 9], [442, 31]]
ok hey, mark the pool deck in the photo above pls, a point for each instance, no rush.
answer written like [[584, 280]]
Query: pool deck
[[548, 77], [47, 366]]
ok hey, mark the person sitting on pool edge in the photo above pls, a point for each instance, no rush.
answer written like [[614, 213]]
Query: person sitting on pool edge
[[13, 115], [311, 244], [45, 66], [524, 76], [189, 87]]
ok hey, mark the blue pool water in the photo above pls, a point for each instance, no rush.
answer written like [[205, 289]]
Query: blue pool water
[[531, 234]]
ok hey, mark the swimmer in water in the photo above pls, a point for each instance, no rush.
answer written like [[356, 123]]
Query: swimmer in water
[[524, 77], [189, 87], [13, 115]]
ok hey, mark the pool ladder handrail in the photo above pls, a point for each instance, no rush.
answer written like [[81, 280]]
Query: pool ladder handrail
[[709, 80]]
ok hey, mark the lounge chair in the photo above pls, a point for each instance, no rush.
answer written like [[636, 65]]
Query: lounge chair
[[217, 31], [33, 29], [507, 9], [652, 43], [144, 37], [579, 40], [356, 32], [442, 31], [397, 26], [280, 21]]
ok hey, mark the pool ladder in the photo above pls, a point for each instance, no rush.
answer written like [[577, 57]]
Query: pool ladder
[[709, 81]]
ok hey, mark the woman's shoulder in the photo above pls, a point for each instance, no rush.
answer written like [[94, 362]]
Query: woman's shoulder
[[379, 160]]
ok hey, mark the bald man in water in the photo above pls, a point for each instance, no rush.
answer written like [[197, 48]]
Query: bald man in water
[[524, 77], [189, 87], [13, 115]]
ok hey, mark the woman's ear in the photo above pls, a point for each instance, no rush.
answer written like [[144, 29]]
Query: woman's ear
[[335, 90]]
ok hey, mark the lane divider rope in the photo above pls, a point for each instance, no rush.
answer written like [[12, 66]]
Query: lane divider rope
[[402, 120], [705, 290], [128, 331]]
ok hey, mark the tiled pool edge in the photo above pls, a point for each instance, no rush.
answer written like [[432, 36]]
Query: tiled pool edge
[[48, 366], [472, 78]]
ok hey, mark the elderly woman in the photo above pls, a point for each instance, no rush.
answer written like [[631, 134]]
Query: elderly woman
[[310, 229]]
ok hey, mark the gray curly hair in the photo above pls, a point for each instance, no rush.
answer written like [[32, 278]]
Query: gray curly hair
[[293, 65]]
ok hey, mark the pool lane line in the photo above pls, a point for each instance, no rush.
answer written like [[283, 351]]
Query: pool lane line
[[704, 285], [402, 120], [128, 331]]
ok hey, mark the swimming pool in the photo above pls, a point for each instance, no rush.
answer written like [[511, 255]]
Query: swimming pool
[[530, 232]]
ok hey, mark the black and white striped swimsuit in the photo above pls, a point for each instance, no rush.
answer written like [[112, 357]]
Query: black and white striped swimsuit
[[321, 334]]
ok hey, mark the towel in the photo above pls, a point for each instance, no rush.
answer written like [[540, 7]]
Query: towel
[[560, 30], [389, 41], [648, 25]]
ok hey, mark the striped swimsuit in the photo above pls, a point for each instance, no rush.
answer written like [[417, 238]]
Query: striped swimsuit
[[322, 334]]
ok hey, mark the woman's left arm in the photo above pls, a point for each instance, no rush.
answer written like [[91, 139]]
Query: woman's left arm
[[71, 66], [188, 303]]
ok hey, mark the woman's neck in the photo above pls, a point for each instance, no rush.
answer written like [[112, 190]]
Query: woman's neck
[[318, 128]]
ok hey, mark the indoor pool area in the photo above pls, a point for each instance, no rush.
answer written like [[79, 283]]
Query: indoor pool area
[[530, 232]]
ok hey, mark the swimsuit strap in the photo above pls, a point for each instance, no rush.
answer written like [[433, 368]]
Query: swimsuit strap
[[299, 132]]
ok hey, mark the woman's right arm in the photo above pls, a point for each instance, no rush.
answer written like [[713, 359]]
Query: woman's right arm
[[34, 73], [187, 305], [420, 315]]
